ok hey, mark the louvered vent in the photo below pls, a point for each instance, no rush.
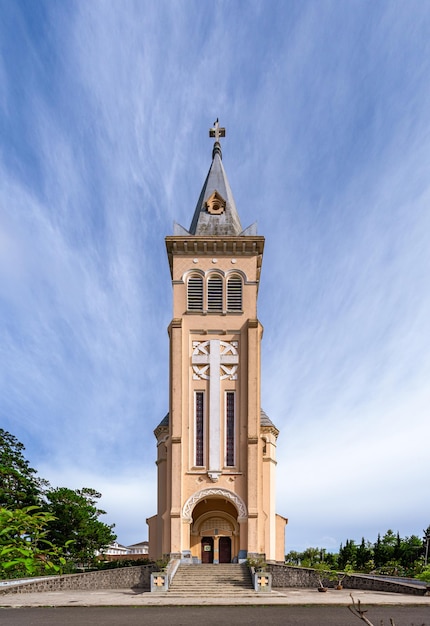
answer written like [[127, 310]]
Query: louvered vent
[[234, 294], [215, 293], [195, 293]]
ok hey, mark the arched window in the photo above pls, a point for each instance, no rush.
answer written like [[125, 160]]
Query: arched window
[[195, 293], [215, 295], [234, 293]]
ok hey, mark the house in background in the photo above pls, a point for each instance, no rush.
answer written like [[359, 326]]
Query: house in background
[[117, 552]]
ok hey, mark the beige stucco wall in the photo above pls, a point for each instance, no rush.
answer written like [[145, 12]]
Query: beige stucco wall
[[281, 523], [250, 483]]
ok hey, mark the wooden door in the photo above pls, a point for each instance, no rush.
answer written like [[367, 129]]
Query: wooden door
[[207, 550], [224, 550]]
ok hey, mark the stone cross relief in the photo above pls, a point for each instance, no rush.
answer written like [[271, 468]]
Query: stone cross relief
[[215, 360]]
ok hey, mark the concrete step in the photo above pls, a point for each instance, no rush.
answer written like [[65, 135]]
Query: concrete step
[[247, 593], [202, 579], [211, 581]]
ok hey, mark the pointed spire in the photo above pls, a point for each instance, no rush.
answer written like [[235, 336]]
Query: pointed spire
[[216, 212]]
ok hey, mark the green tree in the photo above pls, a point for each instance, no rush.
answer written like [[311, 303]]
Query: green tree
[[311, 556], [347, 554], [411, 551], [24, 549], [378, 552], [331, 560], [19, 485], [294, 558], [363, 555], [424, 575], [426, 543], [77, 520], [390, 546]]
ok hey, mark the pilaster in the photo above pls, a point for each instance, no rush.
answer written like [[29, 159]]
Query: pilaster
[[176, 470]]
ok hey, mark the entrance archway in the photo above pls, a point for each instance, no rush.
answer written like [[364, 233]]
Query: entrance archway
[[224, 494], [215, 512], [215, 534], [207, 550]]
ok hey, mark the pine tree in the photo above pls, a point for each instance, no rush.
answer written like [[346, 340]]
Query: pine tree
[[77, 520], [19, 485]]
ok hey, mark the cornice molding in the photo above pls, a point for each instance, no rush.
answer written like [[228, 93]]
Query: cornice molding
[[248, 245], [192, 244], [270, 429]]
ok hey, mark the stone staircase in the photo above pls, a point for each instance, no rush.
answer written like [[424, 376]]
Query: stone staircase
[[223, 580]]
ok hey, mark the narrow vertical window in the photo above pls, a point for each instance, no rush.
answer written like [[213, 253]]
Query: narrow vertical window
[[195, 293], [215, 295], [230, 426], [199, 436], [234, 294]]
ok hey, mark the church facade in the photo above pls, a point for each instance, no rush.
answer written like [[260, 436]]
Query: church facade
[[216, 448]]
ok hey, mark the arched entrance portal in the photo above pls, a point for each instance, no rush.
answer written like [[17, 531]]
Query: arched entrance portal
[[214, 531]]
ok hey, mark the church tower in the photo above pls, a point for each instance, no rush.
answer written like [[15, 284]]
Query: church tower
[[216, 447]]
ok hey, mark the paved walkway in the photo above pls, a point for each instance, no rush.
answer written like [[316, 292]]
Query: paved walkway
[[128, 597]]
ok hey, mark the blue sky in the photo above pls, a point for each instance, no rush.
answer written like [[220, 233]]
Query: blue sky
[[104, 114]]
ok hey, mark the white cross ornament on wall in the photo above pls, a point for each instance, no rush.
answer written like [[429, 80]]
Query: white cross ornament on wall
[[215, 355], [215, 360]]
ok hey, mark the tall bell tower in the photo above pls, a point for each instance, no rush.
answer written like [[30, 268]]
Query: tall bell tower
[[216, 447]]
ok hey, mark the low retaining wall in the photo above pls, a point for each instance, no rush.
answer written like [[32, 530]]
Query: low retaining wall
[[138, 577], [290, 576]]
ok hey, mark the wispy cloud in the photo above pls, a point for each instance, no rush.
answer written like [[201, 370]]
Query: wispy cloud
[[105, 113]]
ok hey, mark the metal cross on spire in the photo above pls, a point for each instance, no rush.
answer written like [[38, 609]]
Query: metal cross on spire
[[216, 131]]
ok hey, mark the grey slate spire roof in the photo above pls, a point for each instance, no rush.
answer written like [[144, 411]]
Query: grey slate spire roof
[[265, 419], [216, 213], [227, 222], [266, 422]]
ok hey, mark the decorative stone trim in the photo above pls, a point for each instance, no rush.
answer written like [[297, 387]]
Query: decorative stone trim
[[205, 493], [262, 581], [270, 429], [215, 204], [159, 582], [228, 359], [198, 244]]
